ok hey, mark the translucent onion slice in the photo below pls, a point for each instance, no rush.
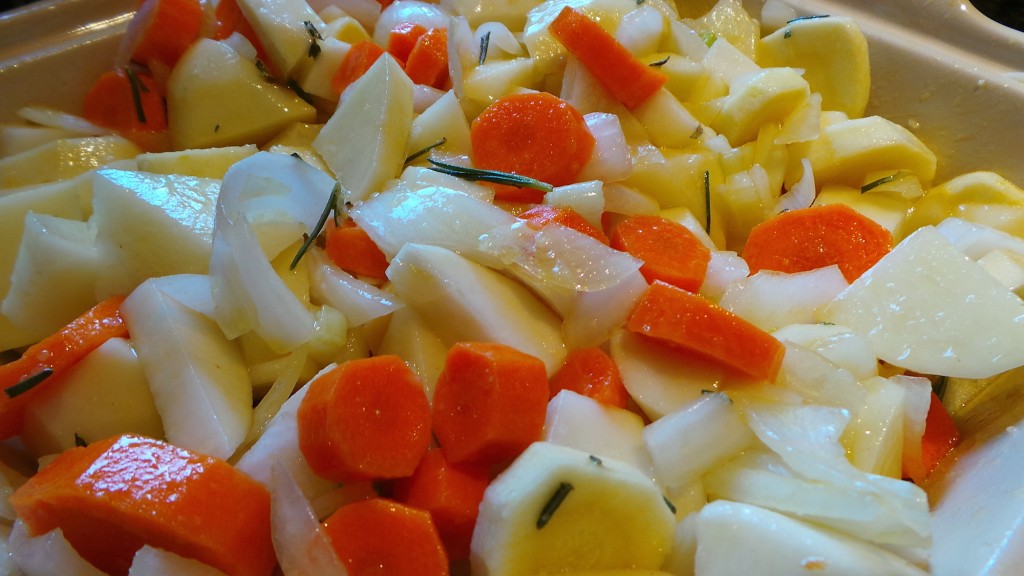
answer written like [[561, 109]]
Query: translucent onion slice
[[640, 30], [303, 548], [802, 193], [611, 160], [499, 40], [359, 301], [586, 198], [595, 315], [56, 119], [48, 553], [463, 53]]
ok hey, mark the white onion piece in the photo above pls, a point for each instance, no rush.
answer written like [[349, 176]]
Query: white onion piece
[[248, 295], [46, 554], [586, 198], [770, 299], [278, 394], [461, 52], [560, 255], [801, 195], [725, 268], [366, 12], [303, 548], [611, 160], [242, 46], [424, 96], [411, 12], [641, 30], [623, 199], [499, 38], [595, 315], [359, 301], [435, 216], [150, 561], [56, 119]]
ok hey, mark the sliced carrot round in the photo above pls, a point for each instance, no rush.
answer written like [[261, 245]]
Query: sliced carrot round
[[428, 60], [489, 402], [670, 252], [815, 237], [378, 536], [402, 39], [532, 134], [367, 419], [540, 216], [352, 249], [591, 373], [117, 495]]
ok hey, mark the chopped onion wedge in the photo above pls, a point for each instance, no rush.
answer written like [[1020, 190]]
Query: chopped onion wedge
[[48, 553], [303, 548], [611, 160], [802, 193], [56, 119], [359, 301]]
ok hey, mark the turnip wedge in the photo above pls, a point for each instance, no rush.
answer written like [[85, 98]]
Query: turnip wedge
[[926, 307]]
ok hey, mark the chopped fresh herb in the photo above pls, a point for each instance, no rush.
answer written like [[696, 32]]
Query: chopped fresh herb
[[884, 180], [707, 202], [137, 89], [705, 391], [300, 92], [596, 460], [671, 506], [485, 43], [492, 176], [28, 383], [295, 155], [697, 132], [311, 30], [828, 323], [639, 2], [708, 38], [314, 50], [814, 17], [263, 69], [552, 506], [787, 33], [216, 128], [659, 63], [940, 387], [308, 239], [79, 441], [419, 153]]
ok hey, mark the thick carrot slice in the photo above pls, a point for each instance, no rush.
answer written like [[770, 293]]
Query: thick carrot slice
[[489, 402], [352, 249], [366, 419], [531, 134], [592, 373], [378, 536], [540, 216], [694, 323], [815, 237], [940, 435], [670, 252], [114, 496], [402, 39], [54, 355], [428, 61], [451, 493], [622, 74], [359, 58], [137, 113], [162, 30]]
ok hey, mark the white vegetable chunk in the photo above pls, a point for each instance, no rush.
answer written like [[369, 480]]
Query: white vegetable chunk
[[303, 547], [926, 307], [409, 337], [46, 554], [198, 378], [365, 140], [463, 301], [150, 225], [735, 538], [150, 561], [585, 424], [690, 441], [770, 299], [359, 301], [840, 345], [611, 516], [279, 26], [54, 276]]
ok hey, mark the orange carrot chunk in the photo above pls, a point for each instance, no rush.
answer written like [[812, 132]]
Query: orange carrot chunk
[[540, 216], [622, 74], [162, 30], [402, 39], [116, 495], [366, 419], [428, 61], [670, 252], [230, 19], [940, 435], [136, 112], [591, 373], [352, 249], [531, 134], [815, 237], [45, 361], [489, 402], [693, 323], [451, 493], [359, 58], [379, 537]]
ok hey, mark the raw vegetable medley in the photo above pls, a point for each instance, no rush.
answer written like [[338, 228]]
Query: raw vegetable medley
[[489, 288]]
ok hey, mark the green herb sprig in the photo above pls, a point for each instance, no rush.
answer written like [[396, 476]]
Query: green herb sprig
[[553, 503], [28, 383], [485, 43], [138, 88], [883, 180], [332, 203], [314, 35], [492, 176], [421, 152], [707, 202]]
